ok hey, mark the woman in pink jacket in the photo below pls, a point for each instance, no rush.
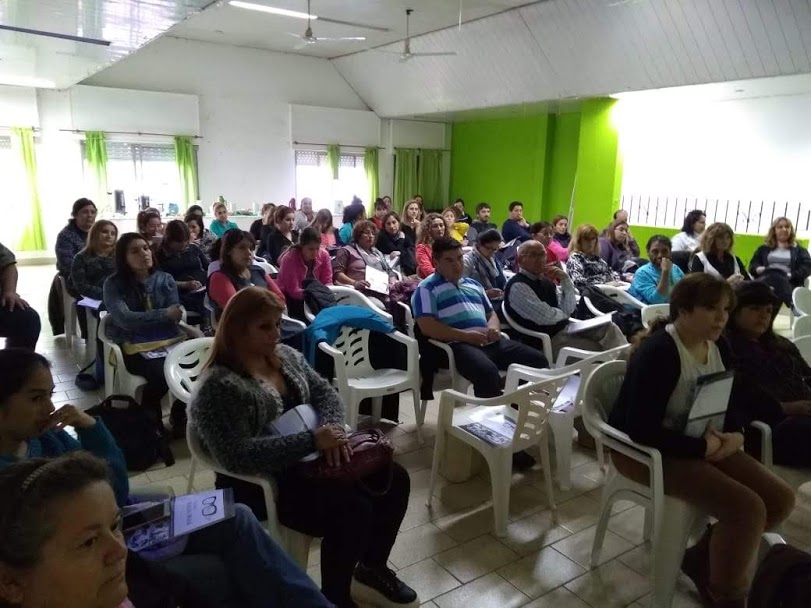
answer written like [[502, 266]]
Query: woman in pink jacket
[[300, 264]]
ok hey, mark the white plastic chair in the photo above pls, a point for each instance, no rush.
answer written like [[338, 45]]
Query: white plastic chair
[[801, 298], [544, 338], [668, 520], [296, 543], [620, 295], [562, 422], [803, 344], [794, 476], [266, 266], [802, 327], [651, 312], [350, 295], [69, 311], [356, 379], [534, 401]]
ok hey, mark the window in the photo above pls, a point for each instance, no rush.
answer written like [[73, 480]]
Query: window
[[146, 174], [314, 180]]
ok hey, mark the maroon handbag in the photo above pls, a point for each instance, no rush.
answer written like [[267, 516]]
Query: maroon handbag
[[371, 452]]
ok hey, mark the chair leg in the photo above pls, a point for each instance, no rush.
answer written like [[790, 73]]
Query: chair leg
[[667, 552], [419, 412], [439, 449], [70, 323], [599, 534], [192, 471], [562, 425], [598, 445], [543, 448], [500, 462], [297, 545], [377, 408], [351, 410]]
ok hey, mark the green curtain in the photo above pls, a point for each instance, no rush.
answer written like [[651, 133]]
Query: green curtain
[[429, 178], [187, 168], [334, 159], [405, 176], [33, 234], [372, 177], [96, 151]]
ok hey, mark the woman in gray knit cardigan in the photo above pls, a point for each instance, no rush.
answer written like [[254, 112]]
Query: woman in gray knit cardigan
[[252, 379]]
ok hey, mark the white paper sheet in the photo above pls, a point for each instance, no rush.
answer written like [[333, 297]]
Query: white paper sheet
[[90, 303], [377, 279]]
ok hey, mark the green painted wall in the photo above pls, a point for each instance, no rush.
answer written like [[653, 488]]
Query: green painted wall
[[562, 141], [500, 161]]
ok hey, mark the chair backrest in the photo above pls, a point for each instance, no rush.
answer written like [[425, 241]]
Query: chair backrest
[[102, 331], [651, 312], [66, 297], [801, 296], [534, 401], [802, 326], [803, 344], [198, 452], [184, 364], [620, 295], [408, 317], [350, 295], [354, 345], [601, 392]]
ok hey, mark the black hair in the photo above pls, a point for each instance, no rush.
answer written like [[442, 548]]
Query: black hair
[[481, 206], [459, 200], [388, 215], [488, 236], [690, 219], [79, 204], [352, 213], [16, 366], [443, 244], [197, 220], [380, 204], [308, 236], [231, 239], [122, 268], [658, 238], [515, 204], [31, 487], [757, 293], [195, 209], [215, 250], [143, 217], [175, 232], [538, 226]]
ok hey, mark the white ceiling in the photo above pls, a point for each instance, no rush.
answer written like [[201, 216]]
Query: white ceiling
[[568, 49], [51, 62], [227, 24]]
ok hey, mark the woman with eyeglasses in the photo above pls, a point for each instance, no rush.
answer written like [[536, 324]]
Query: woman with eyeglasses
[[351, 261], [585, 266], [481, 264]]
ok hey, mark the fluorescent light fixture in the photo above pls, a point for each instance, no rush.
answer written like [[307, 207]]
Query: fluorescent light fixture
[[26, 81], [263, 8]]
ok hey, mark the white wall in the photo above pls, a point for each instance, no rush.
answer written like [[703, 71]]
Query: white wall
[[747, 149], [245, 151]]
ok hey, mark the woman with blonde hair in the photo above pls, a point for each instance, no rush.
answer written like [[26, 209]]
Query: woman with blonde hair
[[93, 264], [412, 216], [221, 224], [781, 262], [584, 265], [715, 257], [458, 228], [431, 228], [250, 380], [322, 222]]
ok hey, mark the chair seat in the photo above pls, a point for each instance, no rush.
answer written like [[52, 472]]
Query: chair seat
[[382, 378]]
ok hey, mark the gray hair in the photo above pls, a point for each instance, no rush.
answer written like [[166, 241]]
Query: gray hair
[[524, 247]]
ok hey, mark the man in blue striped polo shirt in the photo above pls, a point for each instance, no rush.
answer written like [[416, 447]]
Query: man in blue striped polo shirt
[[455, 309]]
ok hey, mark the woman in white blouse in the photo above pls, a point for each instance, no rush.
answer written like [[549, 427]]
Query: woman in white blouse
[[687, 239]]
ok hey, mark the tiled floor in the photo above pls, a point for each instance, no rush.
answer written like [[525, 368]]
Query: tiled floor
[[449, 553]]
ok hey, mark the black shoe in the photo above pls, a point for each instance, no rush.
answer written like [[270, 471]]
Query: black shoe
[[381, 587]]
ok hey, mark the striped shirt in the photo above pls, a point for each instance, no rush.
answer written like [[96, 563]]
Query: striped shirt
[[462, 305]]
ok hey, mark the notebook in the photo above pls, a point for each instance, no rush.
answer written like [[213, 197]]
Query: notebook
[[710, 401]]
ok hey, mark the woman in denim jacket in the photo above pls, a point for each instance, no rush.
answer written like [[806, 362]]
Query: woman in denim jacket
[[144, 311]]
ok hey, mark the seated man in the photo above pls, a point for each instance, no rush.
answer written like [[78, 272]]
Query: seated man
[[481, 223], [532, 301], [19, 323], [452, 308]]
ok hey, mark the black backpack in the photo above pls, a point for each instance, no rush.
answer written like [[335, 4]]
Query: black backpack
[[629, 321], [783, 579], [136, 433], [317, 296]]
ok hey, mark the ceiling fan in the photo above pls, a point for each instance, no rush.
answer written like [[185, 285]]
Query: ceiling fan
[[308, 38], [406, 54]]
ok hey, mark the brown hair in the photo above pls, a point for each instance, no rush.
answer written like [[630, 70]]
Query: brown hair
[[360, 227], [424, 231], [144, 217], [453, 210], [711, 234], [94, 235], [420, 212], [282, 211], [612, 227], [322, 221], [771, 236], [243, 308], [584, 231], [176, 231]]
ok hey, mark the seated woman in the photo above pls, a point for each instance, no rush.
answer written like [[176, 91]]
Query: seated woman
[[585, 266], [781, 263], [709, 472], [615, 249], [431, 228], [777, 367], [303, 262], [395, 243], [353, 214], [349, 265], [237, 271], [144, 310], [323, 224], [93, 264], [482, 266], [688, 238], [282, 236], [221, 224], [187, 264], [458, 228], [150, 226], [262, 227], [19, 323], [561, 225], [544, 233], [199, 234], [73, 238], [251, 380], [715, 257], [653, 282], [80, 559], [410, 222]]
